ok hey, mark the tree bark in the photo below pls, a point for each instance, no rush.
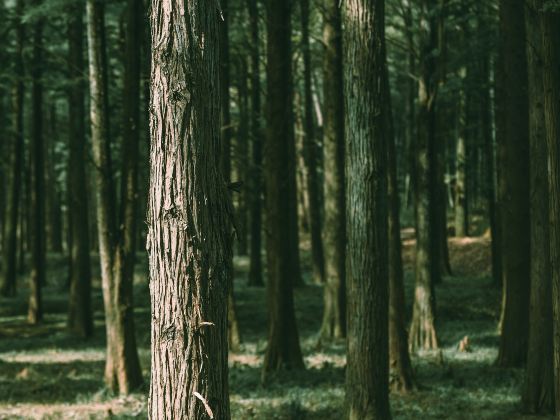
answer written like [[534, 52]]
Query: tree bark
[[550, 25], [422, 333], [9, 252], [367, 371], [116, 237], [514, 187], [334, 232], [283, 351], [255, 267], [189, 217], [38, 259], [80, 317]]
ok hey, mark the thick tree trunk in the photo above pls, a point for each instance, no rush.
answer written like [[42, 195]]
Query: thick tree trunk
[[255, 267], [334, 233], [189, 218], [116, 240], [9, 251], [514, 187], [80, 317], [367, 371], [550, 24], [38, 259], [311, 152], [283, 351], [401, 377], [422, 333], [538, 391]]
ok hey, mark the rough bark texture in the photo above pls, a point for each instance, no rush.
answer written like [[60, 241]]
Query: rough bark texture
[[538, 391], [255, 267], [401, 377], [38, 257], [334, 233], [422, 333], [550, 24], [367, 370], [283, 351], [310, 154], [189, 240], [116, 237], [80, 317], [9, 252], [514, 187]]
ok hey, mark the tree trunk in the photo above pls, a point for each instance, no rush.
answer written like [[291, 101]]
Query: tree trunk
[[401, 377], [514, 187], [9, 252], [461, 204], [422, 330], [283, 351], [334, 233], [255, 267], [550, 25], [367, 371], [189, 240], [310, 155], [242, 157], [116, 245], [538, 391], [80, 317], [38, 259]]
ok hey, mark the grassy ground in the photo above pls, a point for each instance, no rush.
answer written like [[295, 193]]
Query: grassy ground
[[47, 374]]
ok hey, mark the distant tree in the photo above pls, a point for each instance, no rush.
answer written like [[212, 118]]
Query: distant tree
[[255, 265], [367, 370], [38, 259], [514, 186], [283, 350], [9, 251], [116, 236], [189, 240], [334, 232], [80, 317], [422, 333]]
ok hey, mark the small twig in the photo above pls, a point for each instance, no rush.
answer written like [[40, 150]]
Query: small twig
[[206, 406]]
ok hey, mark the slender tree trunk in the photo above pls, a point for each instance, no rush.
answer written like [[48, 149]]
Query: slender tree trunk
[[38, 260], [53, 204], [9, 253], [461, 209], [255, 267], [367, 371], [189, 218], [116, 245], [422, 333], [283, 351], [514, 187], [310, 154], [334, 233], [80, 317], [401, 377], [550, 25]]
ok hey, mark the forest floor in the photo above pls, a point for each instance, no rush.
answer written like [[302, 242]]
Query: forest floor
[[47, 374]]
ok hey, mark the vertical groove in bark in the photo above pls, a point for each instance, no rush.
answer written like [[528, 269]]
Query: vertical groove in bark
[[401, 377], [334, 232], [538, 391], [310, 154], [422, 333], [550, 25], [514, 187], [283, 351], [9, 252], [255, 267], [80, 319], [367, 371], [189, 216], [38, 264]]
